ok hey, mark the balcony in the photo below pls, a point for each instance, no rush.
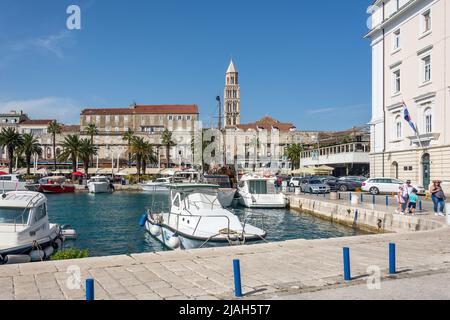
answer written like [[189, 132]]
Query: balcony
[[352, 153]]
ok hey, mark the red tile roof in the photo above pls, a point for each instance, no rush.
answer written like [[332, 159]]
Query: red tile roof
[[266, 123], [144, 109], [36, 122]]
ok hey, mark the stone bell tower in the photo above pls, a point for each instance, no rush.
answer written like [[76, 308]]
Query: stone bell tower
[[232, 97]]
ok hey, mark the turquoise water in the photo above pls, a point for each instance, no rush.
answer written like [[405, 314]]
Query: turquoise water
[[108, 224]]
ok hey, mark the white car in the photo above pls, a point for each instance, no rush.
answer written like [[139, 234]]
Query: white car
[[387, 185], [295, 182]]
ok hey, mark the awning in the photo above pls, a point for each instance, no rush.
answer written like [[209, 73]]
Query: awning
[[322, 170]]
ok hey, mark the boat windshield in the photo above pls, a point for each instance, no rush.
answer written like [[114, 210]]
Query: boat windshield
[[14, 215], [206, 199], [222, 181]]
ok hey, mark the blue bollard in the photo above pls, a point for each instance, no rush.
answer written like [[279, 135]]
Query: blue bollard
[[347, 275], [392, 269], [420, 205], [237, 278], [362, 197], [350, 196], [387, 201], [90, 290], [374, 199]]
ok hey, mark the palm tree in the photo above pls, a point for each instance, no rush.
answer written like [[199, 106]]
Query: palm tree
[[148, 155], [71, 149], [30, 146], [92, 130], [12, 140], [54, 128], [85, 151], [138, 148], [128, 136], [168, 143], [293, 152]]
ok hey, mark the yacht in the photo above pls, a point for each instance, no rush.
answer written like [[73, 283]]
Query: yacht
[[158, 185], [256, 191], [25, 232], [197, 219], [12, 182], [226, 191], [99, 184]]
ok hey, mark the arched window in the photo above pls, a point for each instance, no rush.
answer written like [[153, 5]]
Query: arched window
[[398, 127], [428, 116]]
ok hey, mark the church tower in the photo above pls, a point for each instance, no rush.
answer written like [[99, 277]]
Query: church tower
[[232, 97]]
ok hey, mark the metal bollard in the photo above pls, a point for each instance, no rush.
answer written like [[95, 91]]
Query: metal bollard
[[347, 275], [362, 197], [387, 201], [392, 268], [350, 196], [237, 278], [339, 195], [420, 205], [90, 290], [374, 199]]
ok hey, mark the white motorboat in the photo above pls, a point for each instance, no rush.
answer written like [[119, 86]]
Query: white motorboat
[[226, 192], [25, 232], [12, 182], [197, 219], [99, 184], [158, 185], [259, 192], [186, 176]]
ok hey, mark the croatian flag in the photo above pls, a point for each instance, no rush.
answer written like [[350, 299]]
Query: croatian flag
[[408, 117]]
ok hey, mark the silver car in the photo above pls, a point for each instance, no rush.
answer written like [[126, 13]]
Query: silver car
[[316, 186]]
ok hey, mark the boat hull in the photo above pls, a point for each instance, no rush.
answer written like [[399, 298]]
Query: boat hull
[[99, 187], [275, 201], [56, 188], [154, 188]]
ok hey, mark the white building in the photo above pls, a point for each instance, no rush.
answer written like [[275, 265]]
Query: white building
[[410, 63]]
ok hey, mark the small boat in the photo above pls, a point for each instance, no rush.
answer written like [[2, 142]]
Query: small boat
[[25, 232], [158, 185], [55, 184], [226, 192], [197, 219], [12, 182], [186, 176], [259, 192], [99, 184]]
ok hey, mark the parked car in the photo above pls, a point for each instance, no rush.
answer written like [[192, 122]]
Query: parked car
[[295, 182], [315, 186], [348, 183], [386, 185]]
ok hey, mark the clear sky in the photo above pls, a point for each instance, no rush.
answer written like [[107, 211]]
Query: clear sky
[[300, 61]]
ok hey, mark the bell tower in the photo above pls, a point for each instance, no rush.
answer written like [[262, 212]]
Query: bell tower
[[232, 97]]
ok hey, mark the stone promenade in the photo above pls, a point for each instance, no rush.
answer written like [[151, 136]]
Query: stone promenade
[[269, 271]]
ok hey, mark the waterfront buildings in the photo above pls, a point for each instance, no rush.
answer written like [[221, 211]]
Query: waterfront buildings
[[410, 43]]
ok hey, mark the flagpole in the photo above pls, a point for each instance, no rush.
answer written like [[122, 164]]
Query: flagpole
[[418, 138]]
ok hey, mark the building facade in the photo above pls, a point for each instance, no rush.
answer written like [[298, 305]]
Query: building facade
[[232, 97], [410, 65], [147, 121]]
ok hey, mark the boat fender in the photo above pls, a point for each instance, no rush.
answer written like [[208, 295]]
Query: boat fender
[[174, 242], [57, 244], [37, 255], [156, 230], [15, 259], [143, 220], [49, 251]]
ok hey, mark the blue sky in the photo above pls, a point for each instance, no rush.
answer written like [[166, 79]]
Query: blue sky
[[300, 61]]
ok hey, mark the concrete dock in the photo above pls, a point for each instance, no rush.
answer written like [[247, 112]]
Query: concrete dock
[[284, 270]]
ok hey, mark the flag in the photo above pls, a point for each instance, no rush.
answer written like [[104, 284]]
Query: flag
[[408, 118]]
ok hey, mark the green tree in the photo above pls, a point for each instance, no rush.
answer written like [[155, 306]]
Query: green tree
[[54, 129], [148, 156], [293, 152], [30, 146], [12, 140], [92, 130], [128, 136], [168, 143], [85, 151], [71, 148], [138, 149]]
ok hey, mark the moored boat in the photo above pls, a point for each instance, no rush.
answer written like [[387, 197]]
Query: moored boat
[[99, 184], [259, 192], [226, 191], [12, 182], [158, 185], [56, 184], [197, 219], [25, 232]]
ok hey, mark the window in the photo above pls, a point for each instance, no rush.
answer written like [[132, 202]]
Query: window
[[116, 118], [88, 119], [170, 118], [107, 119], [41, 212], [179, 118], [97, 119], [398, 127], [428, 121], [426, 63], [125, 118], [14, 215], [396, 40], [397, 81], [188, 118], [426, 21]]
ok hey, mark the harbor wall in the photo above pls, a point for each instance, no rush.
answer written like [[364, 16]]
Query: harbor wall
[[369, 218]]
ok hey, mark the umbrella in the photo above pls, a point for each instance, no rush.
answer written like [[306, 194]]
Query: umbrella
[[77, 174]]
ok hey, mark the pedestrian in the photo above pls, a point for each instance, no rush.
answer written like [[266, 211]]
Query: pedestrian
[[412, 202], [407, 189], [401, 201], [438, 197]]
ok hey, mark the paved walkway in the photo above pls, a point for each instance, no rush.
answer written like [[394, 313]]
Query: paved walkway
[[274, 270]]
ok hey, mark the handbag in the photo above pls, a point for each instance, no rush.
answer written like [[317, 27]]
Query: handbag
[[440, 194]]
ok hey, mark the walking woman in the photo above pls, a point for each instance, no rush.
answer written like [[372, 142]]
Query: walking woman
[[438, 197]]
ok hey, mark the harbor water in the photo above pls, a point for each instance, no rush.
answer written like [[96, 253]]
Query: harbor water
[[108, 224]]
